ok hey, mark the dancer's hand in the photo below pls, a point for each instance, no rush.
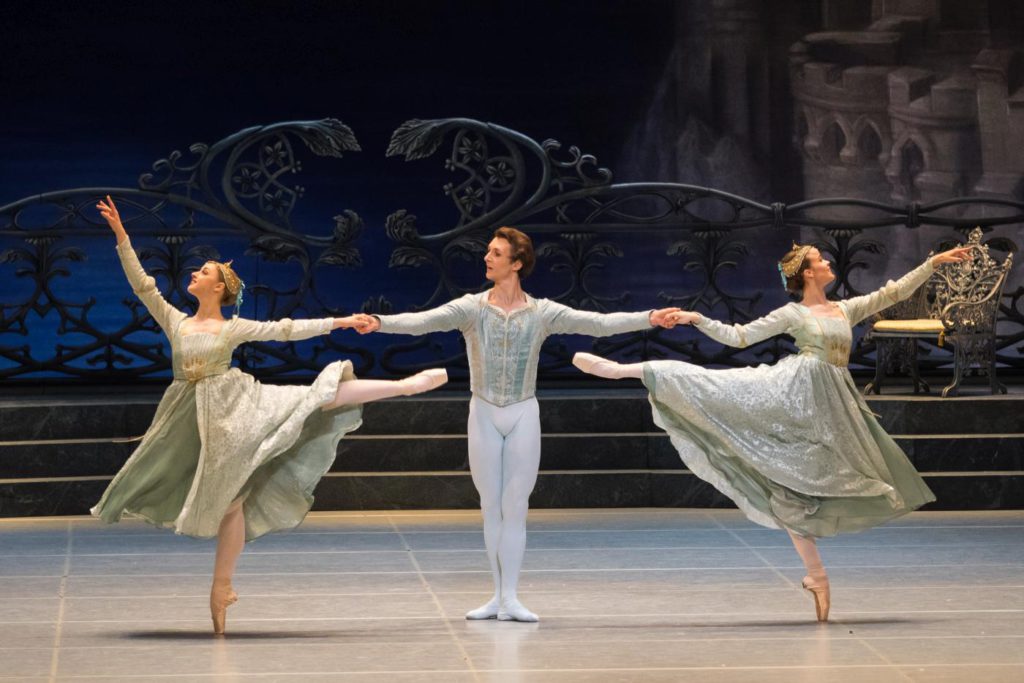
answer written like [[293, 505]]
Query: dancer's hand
[[367, 323], [113, 218], [953, 256], [349, 322], [685, 318], [661, 317]]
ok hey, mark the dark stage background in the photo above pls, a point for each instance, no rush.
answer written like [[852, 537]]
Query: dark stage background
[[772, 101]]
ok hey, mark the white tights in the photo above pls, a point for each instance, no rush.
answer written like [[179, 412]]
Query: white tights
[[504, 456]]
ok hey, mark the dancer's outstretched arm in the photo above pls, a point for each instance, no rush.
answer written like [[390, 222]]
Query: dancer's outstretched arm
[[144, 286], [741, 336], [286, 329], [774, 323], [860, 307], [454, 315], [560, 319]]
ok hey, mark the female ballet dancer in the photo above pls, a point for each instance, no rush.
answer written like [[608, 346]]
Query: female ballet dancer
[[226, 456], [504, 328], [792, 444]]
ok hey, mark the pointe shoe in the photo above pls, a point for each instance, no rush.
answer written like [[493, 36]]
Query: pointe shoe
[[513, 610], [595, 365], [222, 596], [822, 596], [423, 381], [485, 611]]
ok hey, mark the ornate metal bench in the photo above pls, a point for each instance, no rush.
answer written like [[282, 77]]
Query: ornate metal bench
[[958, 305]]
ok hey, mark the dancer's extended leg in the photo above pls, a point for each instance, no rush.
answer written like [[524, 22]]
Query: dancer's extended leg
[[366, 390], [816, 580], [520, 462], [485, 445], [609, 369], [230, 541]]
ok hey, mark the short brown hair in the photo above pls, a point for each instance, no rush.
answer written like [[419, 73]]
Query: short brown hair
[[522, 248]]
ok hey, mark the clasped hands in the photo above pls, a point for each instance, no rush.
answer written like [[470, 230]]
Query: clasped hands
[[360, 322], [365, 323], [681, 317]]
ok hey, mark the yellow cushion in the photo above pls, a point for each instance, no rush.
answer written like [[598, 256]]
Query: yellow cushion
[[922, 325]]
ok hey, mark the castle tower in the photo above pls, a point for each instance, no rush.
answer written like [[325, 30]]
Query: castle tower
[[935, 150], [927, 77], [1000, 75], [842, 124]]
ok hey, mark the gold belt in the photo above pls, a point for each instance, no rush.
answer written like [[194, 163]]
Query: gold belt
[[197, 369]]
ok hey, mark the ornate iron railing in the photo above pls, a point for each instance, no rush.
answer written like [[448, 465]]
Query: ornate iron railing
[[233, 195], [584, 220], [601, 245]]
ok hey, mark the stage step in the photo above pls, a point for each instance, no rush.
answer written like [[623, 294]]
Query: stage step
[[600, 449]]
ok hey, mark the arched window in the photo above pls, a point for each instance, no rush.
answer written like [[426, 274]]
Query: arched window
[[832, 142], [869, 146], [800, 131], [911, 165]]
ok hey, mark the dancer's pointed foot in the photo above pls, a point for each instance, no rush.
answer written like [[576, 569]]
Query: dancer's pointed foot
[[513, 610], [423, 381], [595, 365], [222, 596], [819, 588], [489, 610]]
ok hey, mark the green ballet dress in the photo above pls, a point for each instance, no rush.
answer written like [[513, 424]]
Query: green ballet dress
[[793, 444], [218, 434]]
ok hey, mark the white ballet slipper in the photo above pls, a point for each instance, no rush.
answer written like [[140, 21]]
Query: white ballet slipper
[[486, 611], [513, 610]]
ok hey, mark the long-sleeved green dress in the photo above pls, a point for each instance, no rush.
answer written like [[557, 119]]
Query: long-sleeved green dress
[[794, 444], [218, 434]]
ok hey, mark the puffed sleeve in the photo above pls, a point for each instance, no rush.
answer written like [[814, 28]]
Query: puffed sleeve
[[454, 315], [144, 286], [778, 321], [860, 307], [286, 329], [560, 319]]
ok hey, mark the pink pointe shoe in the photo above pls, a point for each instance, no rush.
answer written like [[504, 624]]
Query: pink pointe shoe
[[423, 381], [222, 596], [822, 596], [597, 366]]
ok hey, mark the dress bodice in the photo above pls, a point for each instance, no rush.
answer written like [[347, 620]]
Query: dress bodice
[[199, 354], [825, 338]]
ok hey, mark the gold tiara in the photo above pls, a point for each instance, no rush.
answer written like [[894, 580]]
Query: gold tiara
[[790, 265], [232, 282]]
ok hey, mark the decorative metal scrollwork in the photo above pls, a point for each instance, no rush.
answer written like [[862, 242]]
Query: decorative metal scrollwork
[[571, 205], [236, 194], [601, 245]]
